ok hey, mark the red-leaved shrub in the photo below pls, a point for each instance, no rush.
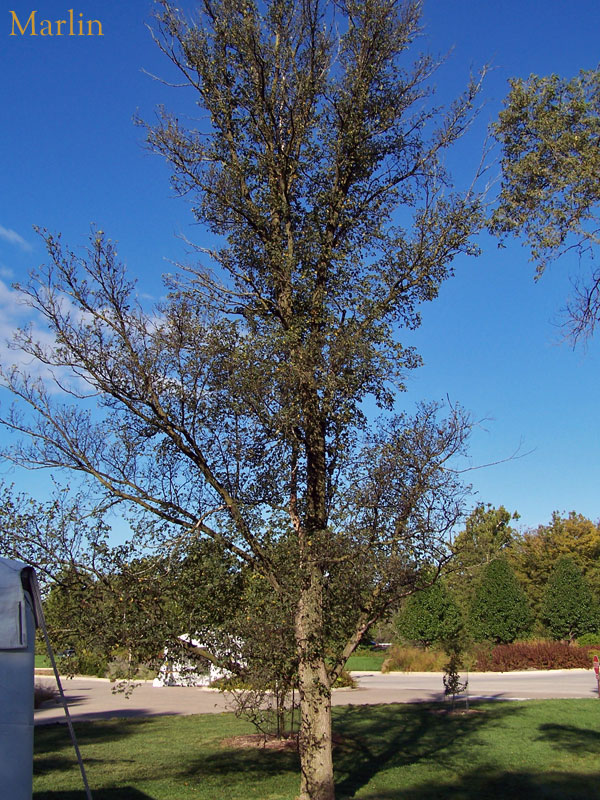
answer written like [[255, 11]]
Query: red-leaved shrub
[[534, 655]]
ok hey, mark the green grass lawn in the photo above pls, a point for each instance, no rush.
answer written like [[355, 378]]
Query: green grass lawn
[[365, 659], [536, 750]]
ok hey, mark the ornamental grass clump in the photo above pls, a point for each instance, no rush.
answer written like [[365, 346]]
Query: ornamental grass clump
[[414, 659], [43, 692]]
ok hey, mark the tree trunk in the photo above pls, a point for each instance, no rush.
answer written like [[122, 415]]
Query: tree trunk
[[316, 763]]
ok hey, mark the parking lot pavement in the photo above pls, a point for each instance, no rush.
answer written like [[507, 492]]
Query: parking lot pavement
[[95, 698], [527, 685]]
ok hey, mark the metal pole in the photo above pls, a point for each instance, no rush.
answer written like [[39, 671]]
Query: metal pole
[[42, 622]]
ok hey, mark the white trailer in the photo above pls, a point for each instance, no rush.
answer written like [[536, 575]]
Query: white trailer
[[19, 614]]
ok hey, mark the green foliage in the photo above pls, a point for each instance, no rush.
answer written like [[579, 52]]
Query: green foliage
[[568, 608], [550, 136], [203, 587], [112, 616], [592, 639], [244, 624], [486, 536], [430, 617], [536, 552], [499, 612]]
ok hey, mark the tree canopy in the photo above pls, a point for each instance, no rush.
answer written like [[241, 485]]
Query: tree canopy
[[536, 552], [549, 131], [487, 535]]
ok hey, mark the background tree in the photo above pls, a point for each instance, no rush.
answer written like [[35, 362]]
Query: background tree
[[237, 407], [487, 536], [550, 136], [568, 607], [245, 626], [109, 624], [535, 553], [499, 612], [65, 535], [430, 617]]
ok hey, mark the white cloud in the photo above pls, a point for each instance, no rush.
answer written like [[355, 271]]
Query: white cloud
[[12, 237], [14, 313], [11, 307]]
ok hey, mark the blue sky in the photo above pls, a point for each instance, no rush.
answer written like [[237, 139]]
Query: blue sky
[[71, 156]]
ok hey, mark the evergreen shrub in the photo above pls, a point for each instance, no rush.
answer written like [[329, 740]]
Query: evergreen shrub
[[569, 609], [499, 612], [430, 616]]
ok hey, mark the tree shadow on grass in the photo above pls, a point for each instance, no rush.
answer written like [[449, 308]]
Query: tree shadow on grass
[[122, 793], [394, 736], [52, 741], [488, 783], [249, 764], [44, 765], [55, 735], [386, 737], [569, 737]]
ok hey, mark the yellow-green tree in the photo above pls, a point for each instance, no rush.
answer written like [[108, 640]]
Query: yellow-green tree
[[536, 552]]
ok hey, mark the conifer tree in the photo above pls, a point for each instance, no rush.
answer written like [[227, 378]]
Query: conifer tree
[[499, 612], [568, 608]]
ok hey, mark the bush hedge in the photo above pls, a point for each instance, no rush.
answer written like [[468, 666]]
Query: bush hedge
[[535, 655], [589, 638]]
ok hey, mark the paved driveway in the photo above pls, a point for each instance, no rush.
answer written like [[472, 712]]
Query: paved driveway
[[406, 687], [93, 698]]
